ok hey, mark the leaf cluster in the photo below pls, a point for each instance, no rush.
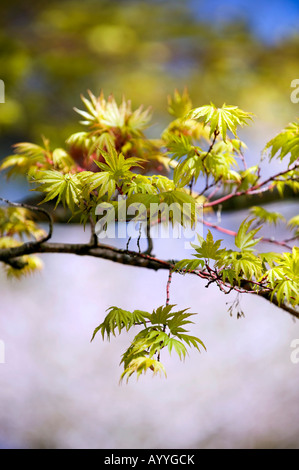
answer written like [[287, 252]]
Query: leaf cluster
[[163, 328]]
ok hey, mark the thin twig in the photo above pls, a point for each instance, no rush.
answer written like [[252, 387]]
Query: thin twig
[[150, 245], [93, 236], [138, 239], [168, 287], [256, 189], [282, 243]]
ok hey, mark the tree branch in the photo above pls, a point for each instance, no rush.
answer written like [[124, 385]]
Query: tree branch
[[256, 189], [10, 256], [282, 243], [13, 257]]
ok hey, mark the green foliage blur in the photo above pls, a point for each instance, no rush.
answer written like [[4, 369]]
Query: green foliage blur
[[51, 52]]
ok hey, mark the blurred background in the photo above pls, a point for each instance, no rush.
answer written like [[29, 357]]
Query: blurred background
[[58, 390]]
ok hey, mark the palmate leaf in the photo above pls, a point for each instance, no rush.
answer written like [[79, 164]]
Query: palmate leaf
[[162, 183], [184, 200], [290, 263], [269, 259], [244, 239], [192, 341], [180, 147], [66, 188], [265, 216], [285, 143], [275, 275], [179, 319], [139, 184], [147, 342], [103, 182], [179, 104], [161, 315], [228, 274], [154, 341], [115, 171], [221, 119], [175, 206], [289, 179], [293, 223], [286, 290], [188, 170], [141, 365], [116, 162], [178, 346], [188, 265], [117, 319], [209, 249], [283, 277], [248, 177]]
